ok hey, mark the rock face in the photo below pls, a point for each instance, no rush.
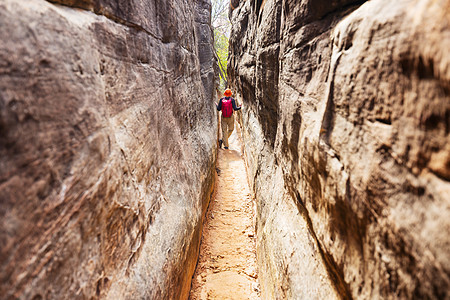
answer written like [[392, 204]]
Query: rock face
[[107, 147], [346, 126]]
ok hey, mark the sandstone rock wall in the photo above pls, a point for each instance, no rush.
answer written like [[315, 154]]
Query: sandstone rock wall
[[346, 126], [107, 147]]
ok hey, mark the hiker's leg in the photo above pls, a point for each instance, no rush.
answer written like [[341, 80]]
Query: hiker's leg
[[220, 128], [230, 125], [219, 118], [224, 124]]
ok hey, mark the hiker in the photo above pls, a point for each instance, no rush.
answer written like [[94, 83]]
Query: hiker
[[227, 105]]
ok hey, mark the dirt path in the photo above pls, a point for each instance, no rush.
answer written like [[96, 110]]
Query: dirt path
[[227, 263]]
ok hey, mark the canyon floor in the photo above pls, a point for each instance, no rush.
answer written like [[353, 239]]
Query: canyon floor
[[227, 266]]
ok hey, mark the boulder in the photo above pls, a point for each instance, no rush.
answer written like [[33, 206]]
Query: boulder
[[346, 126], [107, 147]]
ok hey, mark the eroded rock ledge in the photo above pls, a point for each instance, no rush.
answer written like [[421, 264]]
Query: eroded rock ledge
[[346, 127], [105, 169]]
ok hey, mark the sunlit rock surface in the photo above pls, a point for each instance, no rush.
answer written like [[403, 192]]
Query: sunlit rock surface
[[346, 126], [107, 145]]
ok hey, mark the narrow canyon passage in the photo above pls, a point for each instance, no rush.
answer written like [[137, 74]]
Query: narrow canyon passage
[[227, 266]]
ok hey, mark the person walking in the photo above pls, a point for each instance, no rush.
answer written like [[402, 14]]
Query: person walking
[[227, 105]]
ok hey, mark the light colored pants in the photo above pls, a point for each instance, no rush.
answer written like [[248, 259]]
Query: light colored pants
[[227, 129]]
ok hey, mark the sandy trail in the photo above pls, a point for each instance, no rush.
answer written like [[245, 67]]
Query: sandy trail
[[227, 266]]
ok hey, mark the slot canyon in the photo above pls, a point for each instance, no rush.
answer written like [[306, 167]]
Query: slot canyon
[[336, 184]]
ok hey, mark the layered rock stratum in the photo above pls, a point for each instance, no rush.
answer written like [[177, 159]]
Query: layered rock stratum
[[346, 123], [107, 147]]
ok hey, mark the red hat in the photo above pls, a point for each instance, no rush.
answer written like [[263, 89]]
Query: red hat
[[227, 93]]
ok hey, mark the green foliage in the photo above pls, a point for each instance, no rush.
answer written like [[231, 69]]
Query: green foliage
[[221, 47], [221, 26]]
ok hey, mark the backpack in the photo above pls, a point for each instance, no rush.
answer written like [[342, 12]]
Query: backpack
[[227, 107]]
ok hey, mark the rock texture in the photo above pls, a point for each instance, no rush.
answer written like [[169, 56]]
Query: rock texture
[[346, 125], [107, 147]]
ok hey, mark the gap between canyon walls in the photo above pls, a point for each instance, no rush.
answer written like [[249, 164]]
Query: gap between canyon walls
[[227, 267], [106, 172], [346, 129]]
